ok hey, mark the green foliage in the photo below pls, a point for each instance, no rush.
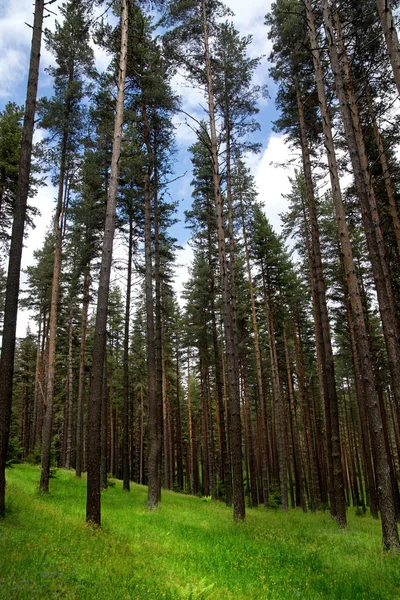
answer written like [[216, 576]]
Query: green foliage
[[274, 496], [34, 457], [111, 481], [14, 453], [186, 549], [191, 592]]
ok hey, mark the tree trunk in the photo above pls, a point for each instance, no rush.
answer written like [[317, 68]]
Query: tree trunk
[[51, 351], [229, 318], [81, 381], [278, 401], [125, 443], [37, 392], [104, 429], [261, 395], [14, 262], [365, 192], [225, 463], [190, 475], [178, 421], [330, 394], [385, 171], [154, 438], [308, 439], [93, 508], [295, 432], [391, 37], [249, 433], [70, 393], [389, 526]]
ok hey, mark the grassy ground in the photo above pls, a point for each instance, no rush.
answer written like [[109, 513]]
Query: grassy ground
[[188, 549]]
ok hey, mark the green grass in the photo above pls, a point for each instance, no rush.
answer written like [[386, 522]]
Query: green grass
[[188, 549]]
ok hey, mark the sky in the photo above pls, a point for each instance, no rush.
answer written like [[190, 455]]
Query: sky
[[271, 179]]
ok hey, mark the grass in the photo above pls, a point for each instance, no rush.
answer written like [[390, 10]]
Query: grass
[[189, 549]]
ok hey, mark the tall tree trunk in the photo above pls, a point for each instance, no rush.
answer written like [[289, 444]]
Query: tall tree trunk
[[190, 475], [178, 421], [104, 462], [320, 352], [278, 402], [81, 381], [389, 526], [160, 380], [249, 433], [70, 391], [37, 392], [295, 433], [154, 366], [225, 466], [385, 171], [308, 439], [261, 395], [229, 318], [93, 508], [330, 394], [391, 37], [125, 443], [365, 192], [55, 288], [14, 261]]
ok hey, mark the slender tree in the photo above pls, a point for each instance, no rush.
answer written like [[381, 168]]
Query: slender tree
[[93, 505], [17, 235]]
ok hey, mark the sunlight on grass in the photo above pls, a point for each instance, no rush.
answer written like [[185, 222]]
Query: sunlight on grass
[[188, 549]]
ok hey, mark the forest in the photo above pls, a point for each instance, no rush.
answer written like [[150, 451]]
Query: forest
[[273, 381]]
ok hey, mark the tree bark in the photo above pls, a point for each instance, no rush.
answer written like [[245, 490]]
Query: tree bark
[[154, 438], [70, 394], [365, 192], [295, 432], [51, 351], [389, 526], [14, 263], [125, 444], [328, 369], [385, 171], [81, 381], [391, 37], [261, 395], [93, 503], [225, 463], [229, 318]]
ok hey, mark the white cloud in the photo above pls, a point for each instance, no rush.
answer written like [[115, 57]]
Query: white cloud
[[15, 38], [184, 258], [249, 19], [272, 178]]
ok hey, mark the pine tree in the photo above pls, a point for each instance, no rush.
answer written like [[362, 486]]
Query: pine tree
[[63, 117], [93, 506], [13, 276]]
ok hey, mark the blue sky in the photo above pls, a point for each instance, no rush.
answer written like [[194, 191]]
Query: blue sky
[[15, 38]]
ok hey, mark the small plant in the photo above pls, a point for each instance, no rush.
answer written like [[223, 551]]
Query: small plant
[[34, 457], [111, 481], [53, 473], [191, 592], [359, 511], [274, 496], [207, 498], [14, 452]]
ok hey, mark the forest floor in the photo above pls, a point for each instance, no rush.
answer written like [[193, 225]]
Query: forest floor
[[188, 549]]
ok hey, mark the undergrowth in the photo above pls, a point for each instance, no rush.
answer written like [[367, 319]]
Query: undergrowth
[[186, 550]]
